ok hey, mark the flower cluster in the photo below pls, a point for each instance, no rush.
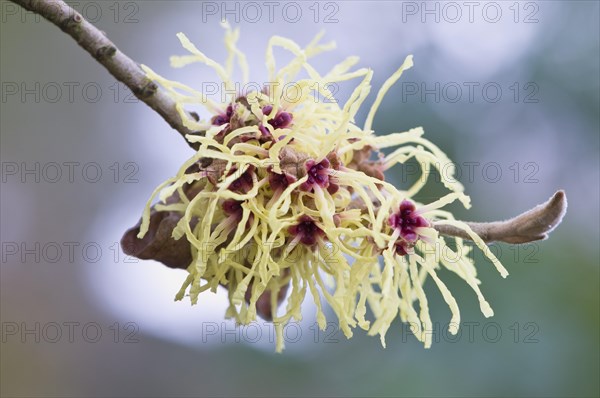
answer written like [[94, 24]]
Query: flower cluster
[[288, 197]]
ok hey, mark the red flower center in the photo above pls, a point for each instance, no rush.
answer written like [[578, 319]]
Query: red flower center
[[406, 220], [307, 230]]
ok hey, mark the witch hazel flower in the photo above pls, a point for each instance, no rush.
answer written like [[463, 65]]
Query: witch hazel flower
[[306, 231], [407, 224], [288, 196], [319, 176]]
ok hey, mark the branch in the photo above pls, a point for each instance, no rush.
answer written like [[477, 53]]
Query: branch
[[123, 68], [534, 224]]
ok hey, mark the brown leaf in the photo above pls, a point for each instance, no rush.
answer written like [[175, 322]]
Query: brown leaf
[[158, 244]]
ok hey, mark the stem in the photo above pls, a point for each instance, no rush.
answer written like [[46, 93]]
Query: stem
[[534, 224], [123, 68]]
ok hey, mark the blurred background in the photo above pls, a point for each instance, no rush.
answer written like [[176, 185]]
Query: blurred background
[[509, 90]]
